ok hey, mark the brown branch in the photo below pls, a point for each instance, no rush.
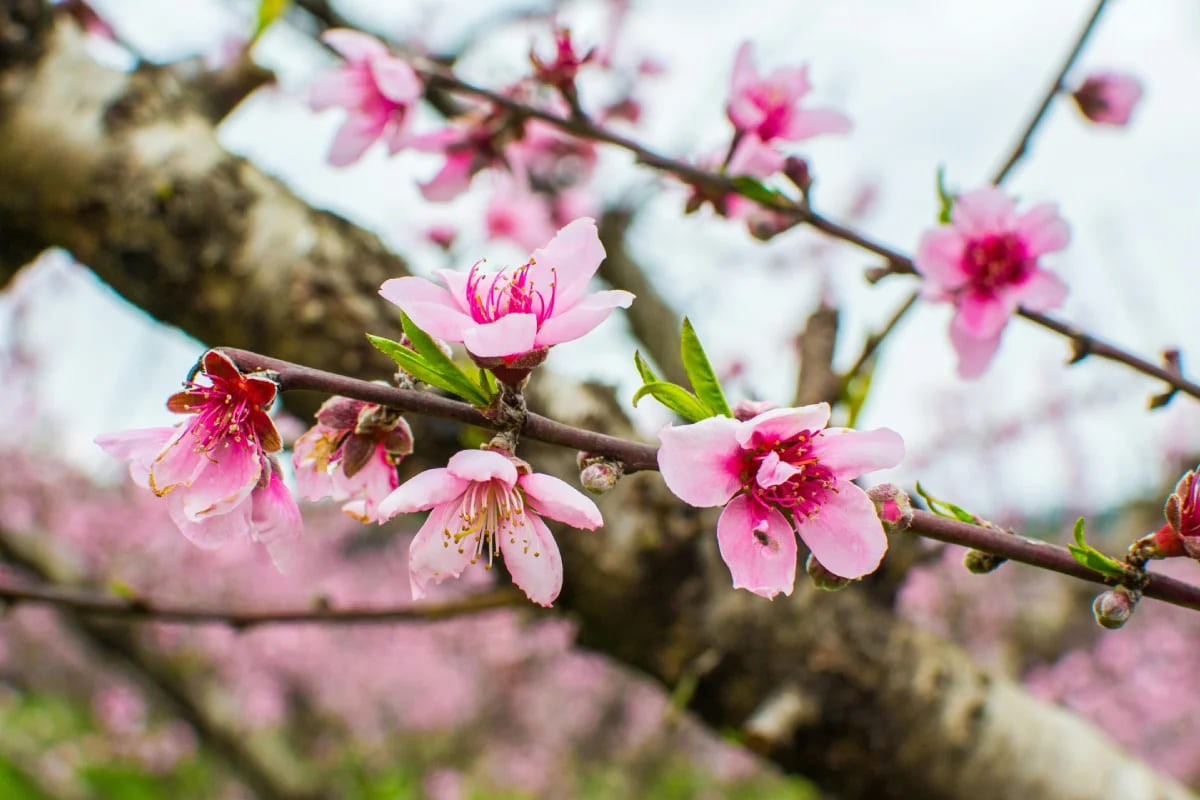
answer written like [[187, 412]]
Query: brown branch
[[1022, 145]]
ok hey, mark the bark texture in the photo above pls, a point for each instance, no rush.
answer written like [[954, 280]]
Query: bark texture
[[121, 170]]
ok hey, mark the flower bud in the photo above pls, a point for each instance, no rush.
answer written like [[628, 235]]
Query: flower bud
[[749, 409], [980, 563], [1113, 608], [600, 476], [893, 506], [822, 578]]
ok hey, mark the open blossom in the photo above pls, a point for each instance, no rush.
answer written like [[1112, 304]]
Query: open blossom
[[377, 90], [779, 474], [986, 263], [487, 504], [1108, 98], [768, 108], [214, 469], [351, 455], [500, 317]]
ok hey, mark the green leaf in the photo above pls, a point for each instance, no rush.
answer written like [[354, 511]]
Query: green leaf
[[945, 196], [1093, 559], [676, 398], [643, 368], [856, 391], [429, 351], [700, 372], [946, 509], [122, 589], [756, 191], [416, 366], [268, 12]]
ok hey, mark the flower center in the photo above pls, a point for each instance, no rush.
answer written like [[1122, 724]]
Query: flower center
[[489, 510], [509, 292], [995, 261], [787, 475], [223, 418]]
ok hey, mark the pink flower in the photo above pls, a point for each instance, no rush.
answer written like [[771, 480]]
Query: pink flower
[[351, 455], [1108, 98], [518, 214], [787, 474], [503, 316], [768, 108], [214, 469], [986, 263], [1181, 535], [485, 504], [561, 71], [377, 90]]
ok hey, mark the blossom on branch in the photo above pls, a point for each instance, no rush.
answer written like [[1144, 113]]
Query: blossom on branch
[[506, 316], [1108, 98], [351, 455], [377, 90], [214, 469], [778, 474], [485, 504], [986, 263]]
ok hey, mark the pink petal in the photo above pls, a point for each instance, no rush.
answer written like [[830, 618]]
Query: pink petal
[[510, 335], [214, 530], [1042, 230], [356, 135], [743, 112], [453, 178], [845, 535], [974, 354], [275, 520], [339, 88], [569, 261], [558, 500], [583, 318], [433, 308], [851, 453], [755, 158], [983, 315], [532, 559], [433, 487], [395, 79], [758, 546], [1041, 292], [701, 462], [781, 424], [433, 556], [353, 45], [177, 464], [482, 465], [811, 122], [983, 211], [139, 447], [312, 479], [939, 258], [223, 483], [774, 471], [371, 485]]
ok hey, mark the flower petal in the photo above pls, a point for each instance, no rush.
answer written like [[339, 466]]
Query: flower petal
[[139, 447], [939, 258], [1042, 230], [1042, 291], [212, 531], [339, 88], [701, 462], [433, 556], [982, 212], [452, 179], [226, 481], [429, 305], [811, 122], [275, 521], [395, 79], [532, 559], [558, 500], [983, 315], [781, 424], [510, 335], [845, 535], [974, 353], [482, 465], [569, 261], [774, 471], [353, 45], [758, 546], [356, 135], [584, 317], [851, 453], [433, 487]]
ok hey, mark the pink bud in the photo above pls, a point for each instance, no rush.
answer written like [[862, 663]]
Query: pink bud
[[893, 506], [1108, 98], [1113, 608]]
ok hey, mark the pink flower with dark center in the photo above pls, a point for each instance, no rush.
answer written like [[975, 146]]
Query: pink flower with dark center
[[485, 504], [986, 263], [214, 469], [1108, 98], [779, 474], [502, 316], [351, 455], [768, 108], [561, 71], [1181, 535], [377, 90]]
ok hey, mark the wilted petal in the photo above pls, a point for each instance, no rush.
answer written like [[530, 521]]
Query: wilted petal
[[773, 471], [701, 462], [850, 453], [758, 546], [431, 488], [531, 556], [558, 500], [845, 535]]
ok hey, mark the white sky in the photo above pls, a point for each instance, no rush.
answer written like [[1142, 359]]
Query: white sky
[[925, 81]]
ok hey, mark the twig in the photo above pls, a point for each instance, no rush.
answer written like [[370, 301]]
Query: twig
[[1022, 145], [875, 340]]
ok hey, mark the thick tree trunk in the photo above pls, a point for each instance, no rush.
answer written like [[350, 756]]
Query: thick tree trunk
[[123, 172]]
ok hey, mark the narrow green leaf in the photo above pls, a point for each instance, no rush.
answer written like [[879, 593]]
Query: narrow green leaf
[[946, 509], [1079, 540], [945, 196], [416, 366], [754, 189], [1092, 558], [700, 372], [268, 12], [442, 364], [643, 368], [488, 381], [676, 398]]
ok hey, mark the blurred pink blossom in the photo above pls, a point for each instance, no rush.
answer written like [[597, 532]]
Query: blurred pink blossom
[[986, 263], [782, 460], [768, 108], [486, 504], [503, 316], [518, 214], [1108, 98], [377, 90]]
